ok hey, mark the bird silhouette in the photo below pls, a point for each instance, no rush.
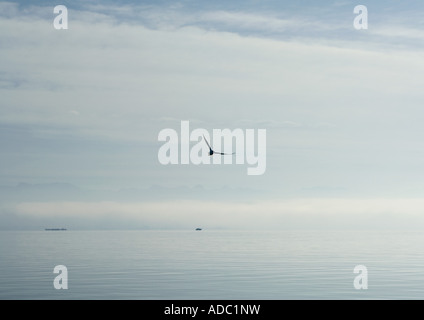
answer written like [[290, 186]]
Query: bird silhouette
[[211, 152]]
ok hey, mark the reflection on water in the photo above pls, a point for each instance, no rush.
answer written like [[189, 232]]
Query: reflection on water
[[211, 264]]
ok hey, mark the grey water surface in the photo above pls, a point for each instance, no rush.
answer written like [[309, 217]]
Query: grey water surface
[[211, 264]]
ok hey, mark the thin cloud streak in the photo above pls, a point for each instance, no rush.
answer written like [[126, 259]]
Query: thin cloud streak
[[320, 213]]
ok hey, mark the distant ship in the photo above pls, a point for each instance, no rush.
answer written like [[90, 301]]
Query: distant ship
[[55, 229], [198, 229]]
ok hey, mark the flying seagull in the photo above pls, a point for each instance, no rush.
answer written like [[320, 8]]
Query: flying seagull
[[211, 152]]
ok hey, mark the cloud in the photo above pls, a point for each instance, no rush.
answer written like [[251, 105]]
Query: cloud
[[309, 213], [8, 9], [160, 71], [250, 21], [122, 75], [268, 123], [333, 27], [399, 32]]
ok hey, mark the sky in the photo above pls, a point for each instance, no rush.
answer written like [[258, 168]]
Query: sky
[[81, 110]]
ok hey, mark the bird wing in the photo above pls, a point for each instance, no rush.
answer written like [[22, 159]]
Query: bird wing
[[207, 142], [225, 154]]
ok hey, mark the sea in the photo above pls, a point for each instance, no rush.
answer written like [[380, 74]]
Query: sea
[[211, 264]]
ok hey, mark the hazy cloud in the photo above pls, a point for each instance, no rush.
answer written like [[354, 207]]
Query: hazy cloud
[[84, 107], [309, 213]]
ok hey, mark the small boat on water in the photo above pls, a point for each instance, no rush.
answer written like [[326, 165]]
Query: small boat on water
[[55, 229], [198, 229]]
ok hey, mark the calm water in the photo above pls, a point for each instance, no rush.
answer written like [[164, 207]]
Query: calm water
[[210, 264]]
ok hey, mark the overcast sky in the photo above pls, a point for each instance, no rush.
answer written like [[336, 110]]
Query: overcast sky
[[81, 110]]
